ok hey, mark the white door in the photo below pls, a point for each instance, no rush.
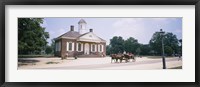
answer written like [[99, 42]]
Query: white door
[[86, 48]]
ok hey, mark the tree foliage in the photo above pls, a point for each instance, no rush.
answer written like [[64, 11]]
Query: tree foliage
[[180, 47], [170, 43], [31, 35], [117, 44], [108, 49], [145, 49], [53, 46], [48, 49], [131, 45]]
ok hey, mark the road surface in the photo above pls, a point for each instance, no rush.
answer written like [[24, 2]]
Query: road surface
[[143, 63]]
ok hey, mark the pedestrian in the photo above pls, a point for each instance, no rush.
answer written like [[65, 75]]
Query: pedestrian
[[179, 57]]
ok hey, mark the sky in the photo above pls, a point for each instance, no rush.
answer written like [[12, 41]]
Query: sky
[[141, 29]]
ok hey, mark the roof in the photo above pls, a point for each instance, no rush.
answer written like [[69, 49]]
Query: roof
[[82, 21], [94, 34], [70, 34], [75, 35]]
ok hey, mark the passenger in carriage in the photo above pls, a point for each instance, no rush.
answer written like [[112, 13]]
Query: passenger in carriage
[[127, 53], [131, 54], [124, 52]]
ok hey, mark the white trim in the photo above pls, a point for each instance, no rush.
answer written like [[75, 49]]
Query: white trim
[[81, 47], [68, 46], [72, 46], [77, 46], [100, 46], [95, 48], [87, 49], [68, 37], [94, 38]]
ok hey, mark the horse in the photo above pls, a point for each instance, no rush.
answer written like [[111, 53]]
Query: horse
[[117, 57], [130, 56], [113, 57], [121, 57]]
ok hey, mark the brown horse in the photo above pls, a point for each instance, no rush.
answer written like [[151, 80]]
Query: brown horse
[[121, 57], [113, 57], [130, 56], [117, 57]]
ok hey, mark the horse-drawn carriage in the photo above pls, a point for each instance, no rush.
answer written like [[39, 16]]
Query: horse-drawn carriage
[[121, 57]]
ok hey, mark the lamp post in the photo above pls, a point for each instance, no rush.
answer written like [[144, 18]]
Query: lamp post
[[163, 52]]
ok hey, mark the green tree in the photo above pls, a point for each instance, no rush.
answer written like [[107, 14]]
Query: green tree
[[31, 35], [48, 49], [131, 45], [180, 47], [168, 51], [108, 47], [53, 46], [117, 44], [145, 49], [138, 51], [170, 41], [155, 43]]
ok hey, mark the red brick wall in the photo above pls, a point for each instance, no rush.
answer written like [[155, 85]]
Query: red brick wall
[[73, 53]]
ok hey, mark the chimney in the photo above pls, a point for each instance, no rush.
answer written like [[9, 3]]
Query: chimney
[[91, 30], [71, 28]]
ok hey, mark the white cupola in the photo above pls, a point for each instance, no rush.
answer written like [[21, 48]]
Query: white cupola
[[82, 26]]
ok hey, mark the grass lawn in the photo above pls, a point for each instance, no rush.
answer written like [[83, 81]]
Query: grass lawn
[[35, 56], [157, 57], [179, 67]]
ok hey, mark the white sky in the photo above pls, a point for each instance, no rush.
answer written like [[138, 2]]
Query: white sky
[[141, 29]]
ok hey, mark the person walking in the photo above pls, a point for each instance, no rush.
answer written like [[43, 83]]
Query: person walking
[[179, 57]]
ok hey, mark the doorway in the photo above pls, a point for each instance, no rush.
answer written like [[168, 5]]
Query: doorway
[[86, 51]]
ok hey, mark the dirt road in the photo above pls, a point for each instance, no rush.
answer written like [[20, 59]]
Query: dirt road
[[99, 64]]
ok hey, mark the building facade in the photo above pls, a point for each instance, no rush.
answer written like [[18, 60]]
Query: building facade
[[83, 43]]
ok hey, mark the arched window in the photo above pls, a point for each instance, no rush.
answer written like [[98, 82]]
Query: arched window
[[93, 47], [100, 48]]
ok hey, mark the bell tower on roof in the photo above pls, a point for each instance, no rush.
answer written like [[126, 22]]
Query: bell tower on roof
[[82, 26]]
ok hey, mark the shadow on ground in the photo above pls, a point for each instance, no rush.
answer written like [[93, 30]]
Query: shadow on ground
[[22, 62]]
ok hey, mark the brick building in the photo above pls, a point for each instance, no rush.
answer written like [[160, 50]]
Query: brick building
[[83, 43]]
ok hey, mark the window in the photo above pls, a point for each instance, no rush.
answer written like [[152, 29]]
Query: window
[[58, 46], [70, 46], [79, 46], [100, 48], [93, 47]]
